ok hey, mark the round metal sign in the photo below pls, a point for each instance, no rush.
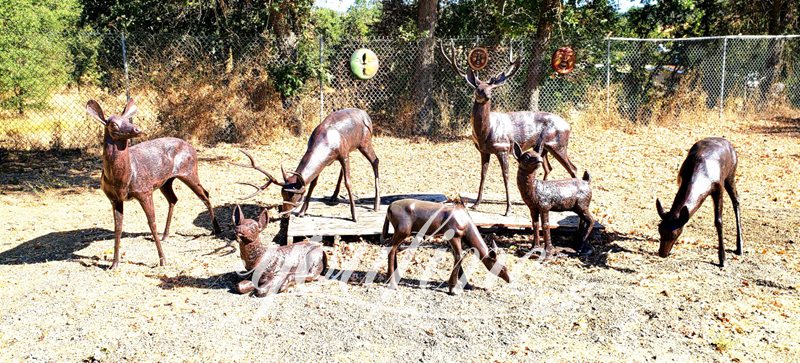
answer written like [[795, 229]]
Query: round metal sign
[[364, 63], [478, 58], [563, 60]]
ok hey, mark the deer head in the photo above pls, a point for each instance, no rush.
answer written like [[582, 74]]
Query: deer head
[[530, 160], [670, 227], [483, 90], [248, 230], [118, 127]]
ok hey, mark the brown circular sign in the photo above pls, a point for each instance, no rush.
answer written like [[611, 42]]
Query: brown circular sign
[[478, 58], [563, 60]]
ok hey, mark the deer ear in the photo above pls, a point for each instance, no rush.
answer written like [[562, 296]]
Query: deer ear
[[683, 217], [238, 215], [130, 109], [471, 79], [517, 151], [263, 218], [93, 109], [660, 209]]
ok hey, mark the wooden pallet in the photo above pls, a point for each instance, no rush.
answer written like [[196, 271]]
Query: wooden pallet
[[324, 219]]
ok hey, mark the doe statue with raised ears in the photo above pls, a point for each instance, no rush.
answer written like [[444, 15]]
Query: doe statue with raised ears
[[134, 172]]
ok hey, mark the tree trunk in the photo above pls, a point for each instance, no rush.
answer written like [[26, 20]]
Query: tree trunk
[[536, 69], [426, 63], [775, 26]]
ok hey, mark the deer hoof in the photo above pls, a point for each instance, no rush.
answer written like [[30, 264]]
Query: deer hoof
[[474, 206]]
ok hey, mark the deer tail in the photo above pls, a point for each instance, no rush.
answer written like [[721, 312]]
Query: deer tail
[[586, 176]]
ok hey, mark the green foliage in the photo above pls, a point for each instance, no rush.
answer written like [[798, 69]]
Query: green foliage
[[290, 77], [34, 50]]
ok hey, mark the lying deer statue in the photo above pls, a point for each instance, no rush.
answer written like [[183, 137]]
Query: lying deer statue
[[135, 171], [496, 132], [273, 270], [709, 168], [339, 134], [544, 196], [411, 215]]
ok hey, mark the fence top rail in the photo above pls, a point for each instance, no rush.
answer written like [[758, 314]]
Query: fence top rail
[[787, 36]]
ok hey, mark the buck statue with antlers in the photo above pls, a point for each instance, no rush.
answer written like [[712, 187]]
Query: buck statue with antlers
[[133, 172], [332, 140], [496, 132]]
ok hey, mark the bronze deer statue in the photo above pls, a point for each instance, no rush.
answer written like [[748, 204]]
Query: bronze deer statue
[[496, 132], [273, 270], [411, 215], [544, 196], [134, 172], [709, 168], [332, 140]]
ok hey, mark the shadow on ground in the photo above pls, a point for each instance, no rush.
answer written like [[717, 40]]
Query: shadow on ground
[[34, 171], [59, 246], [786, 126]]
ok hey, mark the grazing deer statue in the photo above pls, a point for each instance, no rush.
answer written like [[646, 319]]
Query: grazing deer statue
[[339, 134], [452, 221], [133, 172], [544, 196], [496, 132], [709, 168], [274, 269]]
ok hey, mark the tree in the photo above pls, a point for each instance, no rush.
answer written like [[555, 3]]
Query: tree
[[34, 54], [427, 15], [536, 69]]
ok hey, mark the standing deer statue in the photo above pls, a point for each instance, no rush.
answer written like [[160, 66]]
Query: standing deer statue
[[709, 168], [134, 172], [274, 269], [545, 196], [496, 132], [332, 140], [453, 221]]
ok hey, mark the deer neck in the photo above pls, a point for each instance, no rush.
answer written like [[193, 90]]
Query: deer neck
[[527, 183], [313, 162], [251, 252], [480, 118], [473, 236], [690, 194], [116, 160]]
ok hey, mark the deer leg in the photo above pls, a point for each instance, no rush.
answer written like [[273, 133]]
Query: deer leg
[[194, 184], [391, 271], [456, 274], [585, 248], [548, 243], [166, 189], [484, 167], [717, 198], [561, 155], [369, 153], [307, 200], [730, 187], [546, 167], [346, 167], [117, 207], [535, 224], [503, 158], [335, 195], [147, 204]]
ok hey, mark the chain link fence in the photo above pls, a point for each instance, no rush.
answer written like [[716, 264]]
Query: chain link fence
[[251, 89]]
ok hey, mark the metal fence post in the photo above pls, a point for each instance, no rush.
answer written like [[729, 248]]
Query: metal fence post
[[125, 65], [321, 85], [722, 83], [608, 74]]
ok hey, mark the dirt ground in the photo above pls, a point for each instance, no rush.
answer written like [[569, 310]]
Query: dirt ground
[[59, 301]]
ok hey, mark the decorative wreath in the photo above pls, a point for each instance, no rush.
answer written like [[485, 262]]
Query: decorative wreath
[[478, 58], [563, 60]]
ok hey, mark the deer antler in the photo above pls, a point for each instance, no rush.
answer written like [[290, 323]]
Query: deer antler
[[451, 59], [253, 165], [502, 77]]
